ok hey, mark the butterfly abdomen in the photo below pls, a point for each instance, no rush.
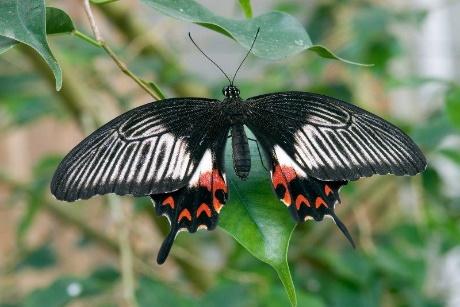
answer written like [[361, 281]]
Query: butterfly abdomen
[[241, 153]]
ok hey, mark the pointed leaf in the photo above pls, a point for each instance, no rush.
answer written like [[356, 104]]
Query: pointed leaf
[[281, 35], [328, 54], [25, 22], [259, 222], [246, 7], [57, 22]]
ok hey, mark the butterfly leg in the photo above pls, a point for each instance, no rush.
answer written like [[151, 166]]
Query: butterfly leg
[[260, 153]]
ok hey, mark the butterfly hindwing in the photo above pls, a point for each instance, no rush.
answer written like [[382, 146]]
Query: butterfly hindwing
[[306, 197], [151, 149], [331, 139], [197, 205]]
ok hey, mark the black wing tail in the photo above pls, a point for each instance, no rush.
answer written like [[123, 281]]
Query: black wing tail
[[197, 205]]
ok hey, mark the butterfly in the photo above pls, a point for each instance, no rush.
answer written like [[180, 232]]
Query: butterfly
[[172, 150]]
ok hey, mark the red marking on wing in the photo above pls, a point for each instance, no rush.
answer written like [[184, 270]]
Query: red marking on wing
[[214, 181], [184, 214], [203, 208], [320, 202], [283, 175], [327, 190], [169, 201], [301, 200]]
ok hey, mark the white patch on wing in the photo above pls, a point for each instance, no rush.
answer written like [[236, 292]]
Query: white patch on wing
[[165, 145], [204, 166], [285, 160], [202, 227]]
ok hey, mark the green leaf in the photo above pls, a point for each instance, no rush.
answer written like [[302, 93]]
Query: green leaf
[[277, 298], [281, 35], [259, 222], [246, 7], [67, 289], [25, 22], [57, 21], [453, 106], [328, 54], [40, 258], [6, 44]]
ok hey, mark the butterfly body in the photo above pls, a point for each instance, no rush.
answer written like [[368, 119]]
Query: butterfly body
[[241, 152]]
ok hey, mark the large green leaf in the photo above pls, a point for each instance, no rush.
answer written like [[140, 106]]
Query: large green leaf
[[281, 35], [57, 21], [26, 22], [259, 222]]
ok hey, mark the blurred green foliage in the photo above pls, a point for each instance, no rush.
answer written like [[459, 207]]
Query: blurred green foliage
[[399, 244]]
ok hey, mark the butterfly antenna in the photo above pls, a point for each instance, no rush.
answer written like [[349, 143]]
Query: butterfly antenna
[[247, 54], [206, 56], [342, 228]]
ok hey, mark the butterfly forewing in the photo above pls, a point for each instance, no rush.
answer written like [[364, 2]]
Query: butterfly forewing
[[331, 139], [154, 148]]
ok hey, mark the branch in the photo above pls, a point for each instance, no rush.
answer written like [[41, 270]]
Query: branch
[[120, 16], [101, 43]]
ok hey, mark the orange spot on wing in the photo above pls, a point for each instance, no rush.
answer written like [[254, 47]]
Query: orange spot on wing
[[203, 208], [301, 200], [184, 214], [217, 205], [320, 202], [169, 201], [327, 190], [282, 175], [214, 181]]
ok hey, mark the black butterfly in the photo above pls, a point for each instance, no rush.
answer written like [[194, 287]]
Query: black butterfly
[[172, 150]]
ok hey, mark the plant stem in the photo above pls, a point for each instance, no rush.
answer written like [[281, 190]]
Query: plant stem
[[120, 16], [124, 68], [87, 38], [99, 42]]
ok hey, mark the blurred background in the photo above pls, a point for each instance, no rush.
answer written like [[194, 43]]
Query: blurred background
[[407, 229]]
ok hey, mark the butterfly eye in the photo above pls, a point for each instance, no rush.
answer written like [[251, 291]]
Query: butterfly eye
[[225, 91]]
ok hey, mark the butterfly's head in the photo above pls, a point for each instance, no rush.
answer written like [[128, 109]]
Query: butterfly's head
[[231, 91]]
